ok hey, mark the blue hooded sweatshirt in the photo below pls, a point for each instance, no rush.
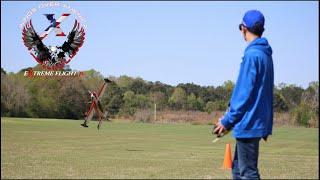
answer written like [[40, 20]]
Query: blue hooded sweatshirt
[[251, 113]]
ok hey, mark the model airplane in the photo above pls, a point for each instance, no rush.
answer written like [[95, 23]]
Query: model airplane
[[95, 106]]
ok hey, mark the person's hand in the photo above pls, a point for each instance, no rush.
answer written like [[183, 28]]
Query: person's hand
[[219, 127]]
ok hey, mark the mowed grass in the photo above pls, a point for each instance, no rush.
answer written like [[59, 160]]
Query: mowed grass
[[49, 148]]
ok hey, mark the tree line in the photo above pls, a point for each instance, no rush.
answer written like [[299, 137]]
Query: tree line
[[67, 98]]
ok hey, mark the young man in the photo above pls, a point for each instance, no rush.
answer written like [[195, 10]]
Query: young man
[[251, 112]]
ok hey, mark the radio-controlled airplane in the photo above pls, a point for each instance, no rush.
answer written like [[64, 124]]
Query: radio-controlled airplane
[[95, 105]]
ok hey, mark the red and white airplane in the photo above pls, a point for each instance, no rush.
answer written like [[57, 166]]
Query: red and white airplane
[[95, 106]]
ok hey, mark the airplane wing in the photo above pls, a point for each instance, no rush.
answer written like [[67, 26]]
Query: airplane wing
[[90, 112], [103, 88]]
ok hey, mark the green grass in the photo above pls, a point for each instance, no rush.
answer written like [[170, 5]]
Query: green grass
[[49, 148]]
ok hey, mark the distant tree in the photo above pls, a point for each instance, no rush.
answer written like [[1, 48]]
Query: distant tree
[[302, 114], [14, 96], [292, 94], [72, 99], [279, 102], [190, 88], [44, 92], [210, 107], [92, 80], [92, 74], [139, 86], [200, 104], [220, 105], [221, 94], [178, 99], [128, 107], [192, 103], [113, 99], [4, 92], [124, 82], [158, 98], [23, 70], [311, 96], [208, 94], [167, 90], [307, 112], [228, 87], [142, 102]]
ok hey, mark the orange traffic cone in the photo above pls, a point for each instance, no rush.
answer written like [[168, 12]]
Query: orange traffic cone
[[227, 162]]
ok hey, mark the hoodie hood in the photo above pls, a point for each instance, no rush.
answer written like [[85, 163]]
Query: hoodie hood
[[261, 44]]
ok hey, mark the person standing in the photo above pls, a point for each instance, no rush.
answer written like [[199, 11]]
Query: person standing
[[250, 114]]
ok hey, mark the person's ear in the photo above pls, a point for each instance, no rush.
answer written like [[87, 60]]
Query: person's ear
[[244, 30], [244, 33]]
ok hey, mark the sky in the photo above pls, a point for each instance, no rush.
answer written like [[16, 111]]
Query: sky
[[173, 42]]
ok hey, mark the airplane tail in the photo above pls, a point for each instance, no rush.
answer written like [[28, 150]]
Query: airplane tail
[[107, 80]]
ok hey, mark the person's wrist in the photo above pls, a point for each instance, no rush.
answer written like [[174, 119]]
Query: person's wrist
[[225, 123]]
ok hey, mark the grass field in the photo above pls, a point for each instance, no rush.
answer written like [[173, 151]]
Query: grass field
[[48, 148]]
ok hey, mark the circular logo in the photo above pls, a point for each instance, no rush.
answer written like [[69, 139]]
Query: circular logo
[[55, 55]]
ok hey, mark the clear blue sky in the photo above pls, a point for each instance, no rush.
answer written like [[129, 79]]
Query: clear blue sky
[[176, 42]]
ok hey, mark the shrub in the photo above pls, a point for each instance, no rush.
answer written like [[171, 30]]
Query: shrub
[[302, 115]]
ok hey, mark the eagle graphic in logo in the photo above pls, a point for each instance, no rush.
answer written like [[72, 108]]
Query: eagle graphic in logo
[[53, 57]]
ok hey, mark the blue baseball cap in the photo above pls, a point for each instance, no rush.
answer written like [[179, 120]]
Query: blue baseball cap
[[252, 17]]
